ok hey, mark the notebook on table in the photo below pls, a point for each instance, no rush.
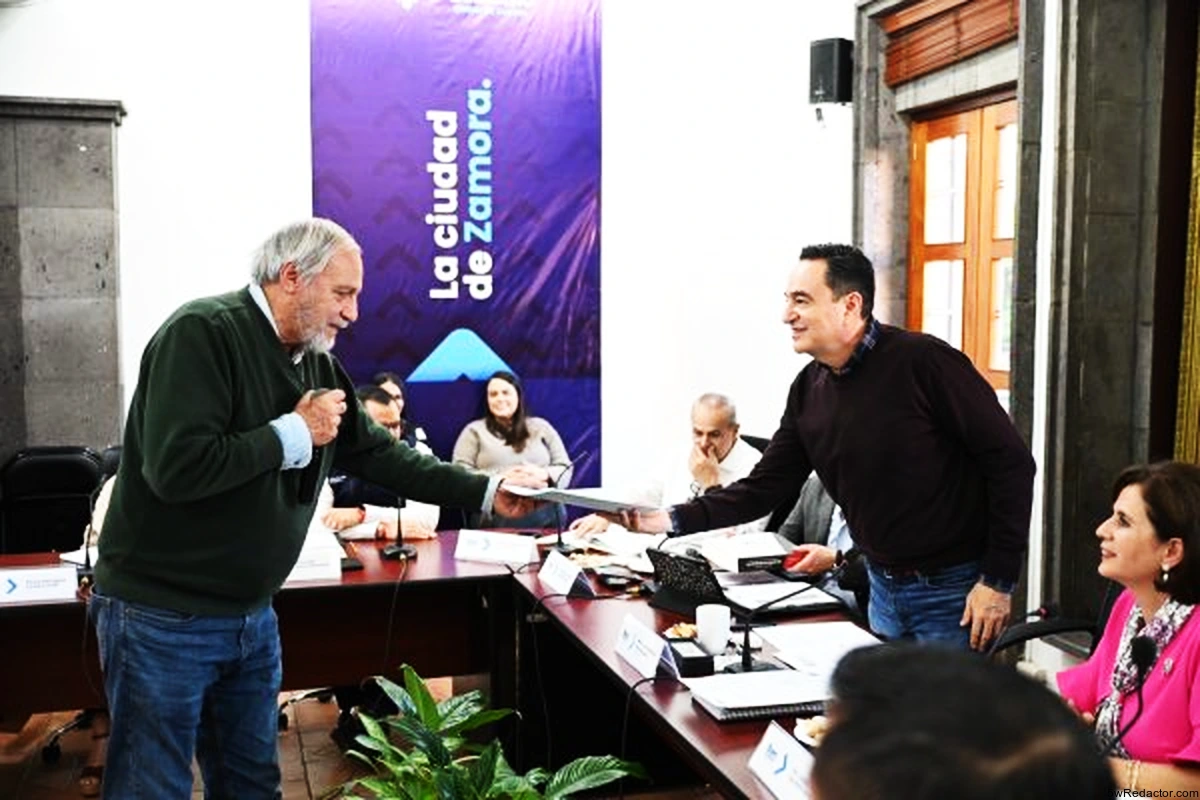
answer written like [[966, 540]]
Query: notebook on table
[[684, 582], [731, 697]]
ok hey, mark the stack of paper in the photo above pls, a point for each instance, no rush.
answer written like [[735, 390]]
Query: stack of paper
[[815, 648], [597, 499], [320, 558], [757, 695], [746, 551]]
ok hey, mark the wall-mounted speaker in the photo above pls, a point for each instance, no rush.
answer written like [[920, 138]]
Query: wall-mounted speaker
[[830, 72]]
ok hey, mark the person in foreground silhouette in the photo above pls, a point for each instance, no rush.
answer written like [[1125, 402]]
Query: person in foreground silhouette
[[925, 722]]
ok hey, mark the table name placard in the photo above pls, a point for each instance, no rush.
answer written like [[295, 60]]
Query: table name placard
[[29, 584], [782, 764], [644, 650], [561, 575], [495, 548]]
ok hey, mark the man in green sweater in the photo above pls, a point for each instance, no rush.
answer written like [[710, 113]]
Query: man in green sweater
[[238, 415]]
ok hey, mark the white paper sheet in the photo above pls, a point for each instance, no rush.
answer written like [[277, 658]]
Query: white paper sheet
[[815, 648]]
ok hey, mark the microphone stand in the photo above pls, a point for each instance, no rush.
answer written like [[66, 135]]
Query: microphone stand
[[85, 574], [559, 544], [559, 519], [748, 662]]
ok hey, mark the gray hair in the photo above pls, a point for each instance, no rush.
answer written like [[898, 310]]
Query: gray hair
[[309, 244], [718, 402]]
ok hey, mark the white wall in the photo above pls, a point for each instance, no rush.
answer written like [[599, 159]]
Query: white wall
[[215, 150], [715, 173]]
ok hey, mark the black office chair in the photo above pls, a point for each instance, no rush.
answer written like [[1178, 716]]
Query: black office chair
[[757, 442], [47, 495], [110, 460], [1023, 632], [783, 509]]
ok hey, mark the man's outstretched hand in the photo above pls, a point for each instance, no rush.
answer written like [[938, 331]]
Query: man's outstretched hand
[[507, 504], [656, 521]]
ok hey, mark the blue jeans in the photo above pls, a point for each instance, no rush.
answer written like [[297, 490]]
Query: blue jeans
[[923, 606], [179, 684]]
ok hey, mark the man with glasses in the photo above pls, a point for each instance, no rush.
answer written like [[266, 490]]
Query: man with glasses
[[356, 501]]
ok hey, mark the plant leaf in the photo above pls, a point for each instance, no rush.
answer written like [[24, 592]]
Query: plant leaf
[[514, 787], [537, 776], [588, 773], [397, 694], [378, 787], [456, 708], [481, 770], [427, 709], [477, 721], [423, 739]]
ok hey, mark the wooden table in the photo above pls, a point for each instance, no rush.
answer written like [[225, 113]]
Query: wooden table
[[444, 617], [573, 667]]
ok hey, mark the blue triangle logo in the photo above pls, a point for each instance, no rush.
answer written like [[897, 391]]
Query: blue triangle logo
[[461, 353]]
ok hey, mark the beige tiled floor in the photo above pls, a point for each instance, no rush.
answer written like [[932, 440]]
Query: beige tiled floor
[[309, 760]]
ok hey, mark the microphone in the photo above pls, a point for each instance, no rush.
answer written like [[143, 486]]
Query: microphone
[[1143, 651], [748, 663], [85, 573], [567, 466], [559, 518]]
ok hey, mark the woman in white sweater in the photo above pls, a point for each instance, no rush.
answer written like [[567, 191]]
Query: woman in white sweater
[[507, 437]]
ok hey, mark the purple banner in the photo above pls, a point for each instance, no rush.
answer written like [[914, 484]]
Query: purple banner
[[460, 143]]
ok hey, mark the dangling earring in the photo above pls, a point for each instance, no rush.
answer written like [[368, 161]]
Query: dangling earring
[[1166, 573]]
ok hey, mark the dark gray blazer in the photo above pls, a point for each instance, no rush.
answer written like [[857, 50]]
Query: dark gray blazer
[[809, 524], [809, 521]]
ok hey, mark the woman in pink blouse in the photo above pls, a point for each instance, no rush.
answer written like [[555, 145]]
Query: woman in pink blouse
[[1151, 546]]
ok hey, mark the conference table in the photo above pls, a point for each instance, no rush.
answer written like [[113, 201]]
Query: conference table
[[442, 616], [578, 678], [551, 657]]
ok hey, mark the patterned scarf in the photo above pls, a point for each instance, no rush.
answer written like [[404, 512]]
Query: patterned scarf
[[1166, 623]]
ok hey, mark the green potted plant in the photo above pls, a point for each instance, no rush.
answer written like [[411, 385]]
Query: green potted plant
[[434, 761]]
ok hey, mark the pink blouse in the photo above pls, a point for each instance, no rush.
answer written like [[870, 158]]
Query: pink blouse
[[1169, 728]]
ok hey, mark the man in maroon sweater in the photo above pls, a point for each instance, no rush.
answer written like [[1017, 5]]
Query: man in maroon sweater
[[910, 441]]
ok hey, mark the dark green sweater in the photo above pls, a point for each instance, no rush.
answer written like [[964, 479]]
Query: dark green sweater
[[203, 519]]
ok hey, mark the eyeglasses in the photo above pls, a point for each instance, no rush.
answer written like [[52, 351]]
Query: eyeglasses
[[399, 398]]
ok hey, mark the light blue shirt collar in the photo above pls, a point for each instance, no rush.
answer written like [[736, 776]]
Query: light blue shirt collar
[[260, 300]]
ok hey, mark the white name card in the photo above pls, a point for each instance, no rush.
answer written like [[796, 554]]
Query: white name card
[[27, 584], [782, 764], [642, 648], [320, 559], [561, 575], [495, 548]]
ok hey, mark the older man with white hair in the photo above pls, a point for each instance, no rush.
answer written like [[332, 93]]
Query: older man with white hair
[[719, 456], [238, 416]]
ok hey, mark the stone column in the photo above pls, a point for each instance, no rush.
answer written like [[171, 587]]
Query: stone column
[[59, 370], [1102, 309]]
